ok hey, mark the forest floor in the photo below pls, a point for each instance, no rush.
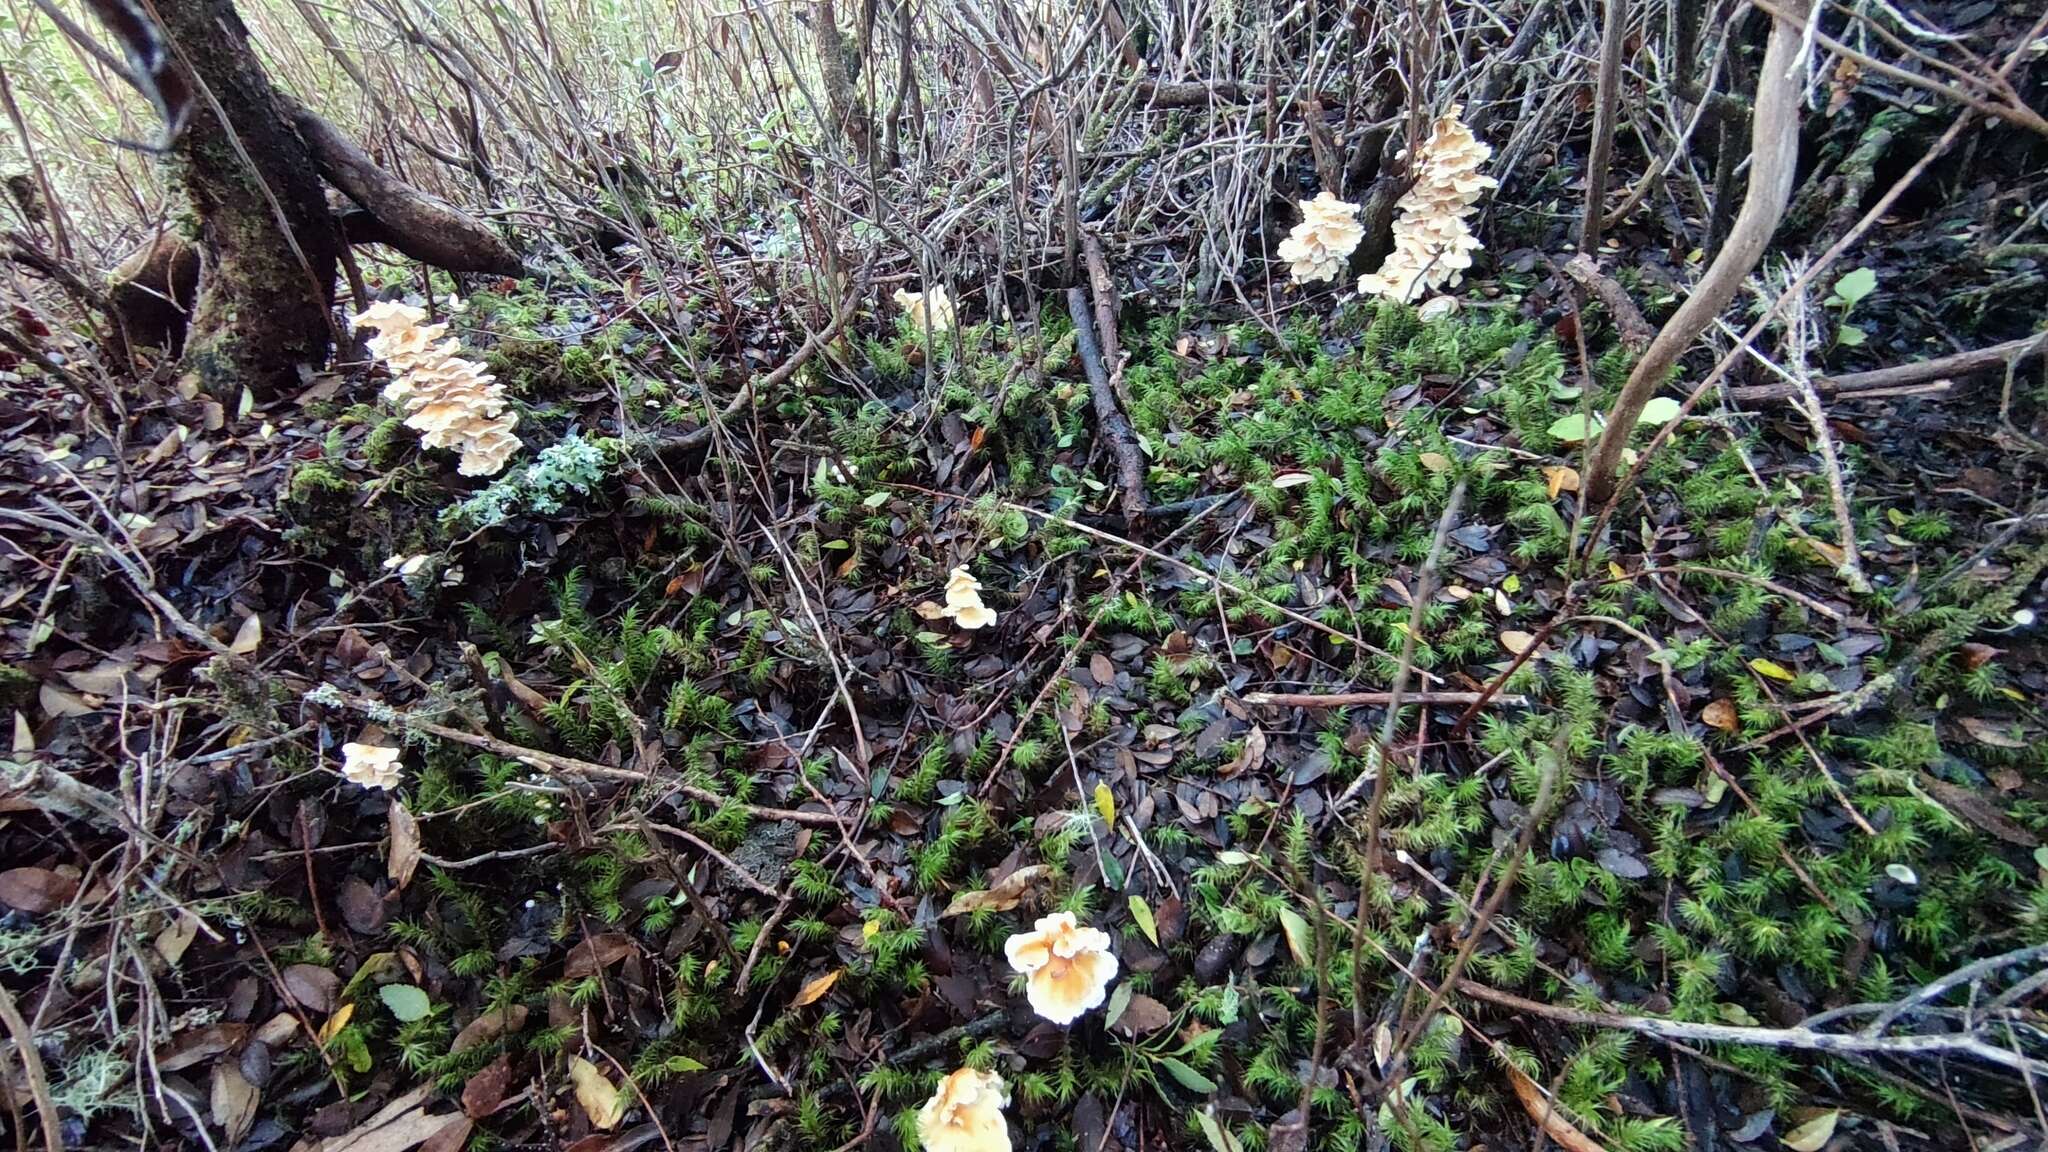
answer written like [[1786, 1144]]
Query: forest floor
[[710, 827]]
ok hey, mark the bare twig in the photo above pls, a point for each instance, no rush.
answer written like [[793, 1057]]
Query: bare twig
[[1377, 699]]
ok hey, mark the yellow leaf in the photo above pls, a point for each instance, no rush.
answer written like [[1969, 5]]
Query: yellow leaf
[[1813, 1135], [1561, 478], [248, 636], [1827, 552], [1772, 669], [1616, 570], [1517, 642], [336, 1022], [601, 1101], [869, 931], [815, 990], [1105, 804]]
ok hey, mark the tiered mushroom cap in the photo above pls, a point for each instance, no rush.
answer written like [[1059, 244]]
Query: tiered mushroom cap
[[371, 765], [1327, 235], [452, 402], [963, 600], [1433, 245]]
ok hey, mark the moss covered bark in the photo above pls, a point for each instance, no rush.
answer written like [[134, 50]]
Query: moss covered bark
[[257, 211]]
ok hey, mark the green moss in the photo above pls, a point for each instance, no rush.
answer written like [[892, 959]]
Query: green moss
[[526, 365], [386, 443], [317, 481], [317, 498], [16, 687]]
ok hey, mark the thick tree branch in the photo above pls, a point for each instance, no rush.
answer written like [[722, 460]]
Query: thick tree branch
[[424, 227]]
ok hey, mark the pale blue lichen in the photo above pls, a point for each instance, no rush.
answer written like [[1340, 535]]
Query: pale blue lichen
[[573, 466]]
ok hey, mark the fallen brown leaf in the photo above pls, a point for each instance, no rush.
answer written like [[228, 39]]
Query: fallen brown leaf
[[1006, 894], [36, 890], [597, 953], [1544, 1113], [600, 1099], [404, 856], [488, 1027], [233, 1101]]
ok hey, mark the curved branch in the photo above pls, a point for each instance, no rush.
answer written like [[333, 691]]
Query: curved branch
[[1773, 165], [422, 226]]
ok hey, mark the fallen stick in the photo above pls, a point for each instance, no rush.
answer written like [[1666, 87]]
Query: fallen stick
[[569, 765], [1636, 332], [1110, 422], [815, 343], [1896, 380], [1377, 699], [1798, 1039]]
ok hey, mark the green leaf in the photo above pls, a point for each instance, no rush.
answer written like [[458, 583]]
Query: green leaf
[[1220, 1139], [1854, 286], [1661, 410], [406, 1002], [1118, 1001], [1299, 942], [1142, 913], [1570, 429], [1850, 336], [1112, 871], [1189, 1079]]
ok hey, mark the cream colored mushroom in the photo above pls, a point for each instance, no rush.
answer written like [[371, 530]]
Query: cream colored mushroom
[[1067, 968], [963, 601], [371, 765], [965, 1114], [1327, 235], [1433, 244], [934, 304]]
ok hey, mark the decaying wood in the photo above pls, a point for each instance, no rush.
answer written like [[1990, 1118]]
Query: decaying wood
[[1884, 381], [1774, 163], [1110, 423], [270, 249], [1636, 332]]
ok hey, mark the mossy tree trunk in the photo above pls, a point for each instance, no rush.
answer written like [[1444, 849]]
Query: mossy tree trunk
[[245, 281], [257, 211]]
